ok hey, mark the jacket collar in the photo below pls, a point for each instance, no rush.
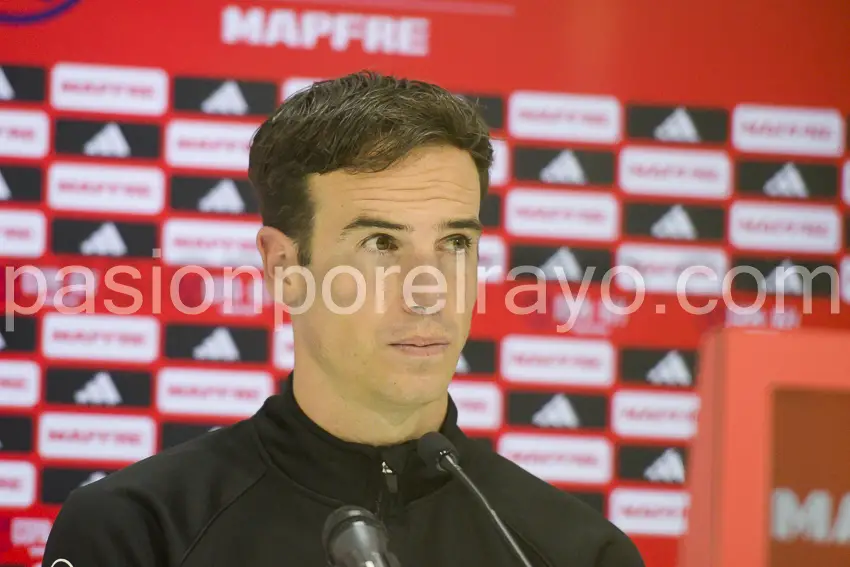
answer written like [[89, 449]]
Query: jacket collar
[[345, 472]]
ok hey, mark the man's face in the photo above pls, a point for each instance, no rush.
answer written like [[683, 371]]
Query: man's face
[[420, 216]]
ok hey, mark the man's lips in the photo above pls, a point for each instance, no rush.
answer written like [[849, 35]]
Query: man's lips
[[421, 342], [422, 346], [426, 350]]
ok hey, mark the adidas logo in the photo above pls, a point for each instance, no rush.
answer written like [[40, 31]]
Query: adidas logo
[[227, 99], [672, 370], [100, 390], [787, 182], [783, 279], [6, 90], [109, 142], [669, 467], [562, 264], [462, 366], [223, 198], [105, 241], [5, 192], [674, 224], [218, 345], [678, 127], [93, 477], [564, 169], [557, 412]]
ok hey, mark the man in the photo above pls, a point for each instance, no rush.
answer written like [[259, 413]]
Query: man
[[367, 182]]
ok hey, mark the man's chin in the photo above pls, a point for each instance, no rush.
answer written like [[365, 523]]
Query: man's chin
[[416, 388]]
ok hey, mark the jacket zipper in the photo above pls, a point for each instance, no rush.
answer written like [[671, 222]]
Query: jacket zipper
[[530, 546], [389, 485]]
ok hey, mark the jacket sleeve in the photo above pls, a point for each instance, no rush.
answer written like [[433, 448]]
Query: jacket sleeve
[[103, 529], [619, 552]]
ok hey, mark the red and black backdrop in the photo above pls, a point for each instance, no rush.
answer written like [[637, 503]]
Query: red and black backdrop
[[649, 135]]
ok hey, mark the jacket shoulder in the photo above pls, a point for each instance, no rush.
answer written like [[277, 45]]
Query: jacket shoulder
[[163, 501], [98, 528], [229, 455], [562, 527]]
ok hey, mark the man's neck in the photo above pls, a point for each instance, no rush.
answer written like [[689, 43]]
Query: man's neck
[[354, 420]]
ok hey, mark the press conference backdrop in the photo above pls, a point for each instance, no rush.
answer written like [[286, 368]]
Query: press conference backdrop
[[655, 136]]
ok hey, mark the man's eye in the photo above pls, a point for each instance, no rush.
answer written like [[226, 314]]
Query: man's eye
[[380, 243], [460, 242]]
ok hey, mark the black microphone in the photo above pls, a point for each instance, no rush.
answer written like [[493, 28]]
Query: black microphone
[[435, 449], [354, 537]]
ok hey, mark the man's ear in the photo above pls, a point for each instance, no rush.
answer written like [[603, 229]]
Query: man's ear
[[280, 262]]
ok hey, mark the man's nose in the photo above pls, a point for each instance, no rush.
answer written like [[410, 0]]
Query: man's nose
[[423, 286]]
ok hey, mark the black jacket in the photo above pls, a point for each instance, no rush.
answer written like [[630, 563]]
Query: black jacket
[[257, 493]]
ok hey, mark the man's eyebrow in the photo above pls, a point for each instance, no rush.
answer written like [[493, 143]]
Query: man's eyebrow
[[367, 221], [470, 223]]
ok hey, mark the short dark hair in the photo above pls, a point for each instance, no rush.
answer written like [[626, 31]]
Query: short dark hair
[[362, 122]]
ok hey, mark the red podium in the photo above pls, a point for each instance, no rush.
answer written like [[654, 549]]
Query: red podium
[[769, 474]]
